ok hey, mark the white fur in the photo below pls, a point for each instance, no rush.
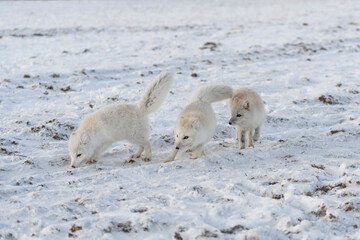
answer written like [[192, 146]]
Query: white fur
[[247, 114], [118, 122], [211, 93], [196, 123]]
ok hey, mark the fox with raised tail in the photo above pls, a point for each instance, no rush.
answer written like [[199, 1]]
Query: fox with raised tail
[[196, 123], [247, 115], [118, 122]]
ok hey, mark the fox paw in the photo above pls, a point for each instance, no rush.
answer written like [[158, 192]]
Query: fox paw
[[135, 156], [147, 159], [93, 161]]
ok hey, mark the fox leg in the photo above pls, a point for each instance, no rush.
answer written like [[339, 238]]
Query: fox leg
[[143, 144], [138, 153], [172, 155], [98, 153], [256, 134], [237, 131], [147, 148], [242, 139], [250, 139], [197, 152]]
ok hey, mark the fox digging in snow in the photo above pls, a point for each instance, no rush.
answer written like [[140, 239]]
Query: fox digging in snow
[[195, 125], [247, 113], [118, 122]]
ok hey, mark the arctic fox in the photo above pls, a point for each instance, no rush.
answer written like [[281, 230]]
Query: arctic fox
[[118, 122], [195, 125], [247, 113]]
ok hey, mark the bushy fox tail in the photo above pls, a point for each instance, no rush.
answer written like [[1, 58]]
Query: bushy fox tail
[[155, 93], [211, 93]]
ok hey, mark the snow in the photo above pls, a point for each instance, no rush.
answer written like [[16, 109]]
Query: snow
[[62, 60]]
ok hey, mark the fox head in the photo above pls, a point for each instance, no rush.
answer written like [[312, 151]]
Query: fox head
[[186, 133], [240, 111], [79, 148]]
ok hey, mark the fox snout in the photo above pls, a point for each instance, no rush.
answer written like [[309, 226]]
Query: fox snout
[[231, 121], [177, 145]]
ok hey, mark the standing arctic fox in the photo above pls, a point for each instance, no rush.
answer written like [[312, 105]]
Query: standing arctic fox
[[195, 125], [118, 122], [247, 113]]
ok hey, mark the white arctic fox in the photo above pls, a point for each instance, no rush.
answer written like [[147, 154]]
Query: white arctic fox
[[195, 125], [118, 122], [247, 113]]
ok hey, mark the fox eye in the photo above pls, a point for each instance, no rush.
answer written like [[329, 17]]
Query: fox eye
[[239, 115], [177, 136], [79, 155], [186, 137]]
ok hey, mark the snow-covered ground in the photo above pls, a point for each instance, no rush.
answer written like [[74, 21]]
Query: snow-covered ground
[[62, 60]]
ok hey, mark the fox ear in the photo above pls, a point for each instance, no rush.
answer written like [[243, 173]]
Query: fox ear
[[195, 123], [84, 138], [247, 105]]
